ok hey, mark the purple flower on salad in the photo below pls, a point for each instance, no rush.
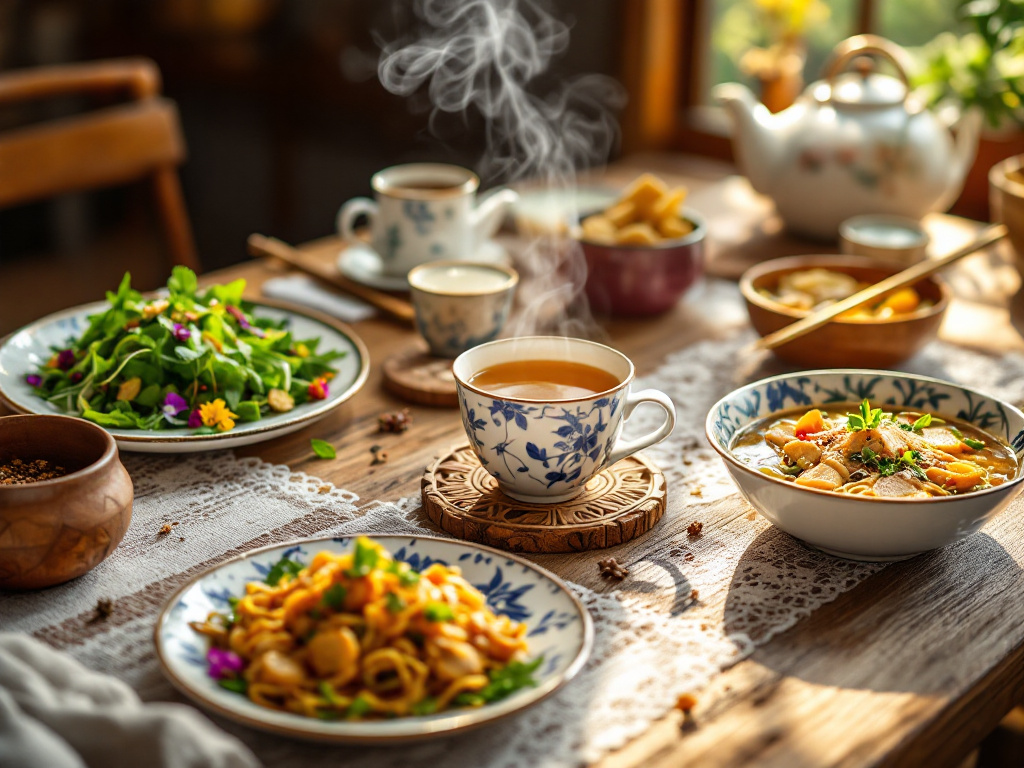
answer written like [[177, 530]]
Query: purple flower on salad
[[66, 359], [76, 376], [223, 664], [34, 380], [239, 315], [173, 405], [195, 419], [182, 333]]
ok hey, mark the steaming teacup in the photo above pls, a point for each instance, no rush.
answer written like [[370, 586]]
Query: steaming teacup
[[545, 414], [461, 304], [425, 212]]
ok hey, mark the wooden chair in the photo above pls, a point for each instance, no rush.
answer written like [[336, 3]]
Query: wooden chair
[[109, 146]]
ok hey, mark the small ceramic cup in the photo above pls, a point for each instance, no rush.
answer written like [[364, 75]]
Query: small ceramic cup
[[889, 238], [424, 212], [544, 452], [460, 305]]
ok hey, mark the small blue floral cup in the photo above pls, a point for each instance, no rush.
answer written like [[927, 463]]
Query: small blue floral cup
[[544, 452], [460, 305]]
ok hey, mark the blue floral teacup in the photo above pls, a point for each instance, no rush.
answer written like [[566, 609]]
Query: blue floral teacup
[[546, 451], [425, 212], [460, 305]]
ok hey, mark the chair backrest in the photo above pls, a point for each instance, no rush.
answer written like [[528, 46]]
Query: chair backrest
[[105, 147]]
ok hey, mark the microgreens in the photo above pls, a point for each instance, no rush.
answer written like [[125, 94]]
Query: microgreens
[[868, 418]]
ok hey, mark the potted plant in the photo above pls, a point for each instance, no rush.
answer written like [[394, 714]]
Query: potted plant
[[778, 64], [981, 67]]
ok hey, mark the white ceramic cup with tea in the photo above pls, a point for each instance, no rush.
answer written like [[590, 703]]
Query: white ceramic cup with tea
[[544, 414], [461, 304], [425, 212]]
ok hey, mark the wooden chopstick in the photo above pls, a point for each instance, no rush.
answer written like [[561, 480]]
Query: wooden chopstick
[[902, 279], [270, 247]]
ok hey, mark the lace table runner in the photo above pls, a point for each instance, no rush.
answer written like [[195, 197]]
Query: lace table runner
[[722, 594]]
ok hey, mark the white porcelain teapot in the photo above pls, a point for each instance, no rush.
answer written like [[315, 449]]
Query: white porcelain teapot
[[853, 143]]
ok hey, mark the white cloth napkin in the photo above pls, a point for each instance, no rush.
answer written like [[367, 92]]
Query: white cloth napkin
[[304, 290], [55, 713]]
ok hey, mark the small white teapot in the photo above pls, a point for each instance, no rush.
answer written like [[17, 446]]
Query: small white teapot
[[853, 143]]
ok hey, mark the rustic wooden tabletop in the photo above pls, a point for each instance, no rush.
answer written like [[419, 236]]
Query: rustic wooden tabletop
[[912, 667]]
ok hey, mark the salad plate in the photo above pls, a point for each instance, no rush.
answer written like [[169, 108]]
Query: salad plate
[[27, 350], [560, 634]]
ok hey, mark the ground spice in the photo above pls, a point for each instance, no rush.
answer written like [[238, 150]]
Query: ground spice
[[398, 421], [19, 472]]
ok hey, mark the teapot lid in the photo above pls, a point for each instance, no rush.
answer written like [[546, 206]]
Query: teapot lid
[[871, 90]]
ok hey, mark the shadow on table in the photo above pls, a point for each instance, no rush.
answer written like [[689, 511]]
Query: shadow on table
[[928, 625]]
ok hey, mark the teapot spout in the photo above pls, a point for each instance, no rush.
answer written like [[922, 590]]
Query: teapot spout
[[755, 141]]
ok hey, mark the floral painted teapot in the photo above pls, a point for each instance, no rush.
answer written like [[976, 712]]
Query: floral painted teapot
[[853, 143]]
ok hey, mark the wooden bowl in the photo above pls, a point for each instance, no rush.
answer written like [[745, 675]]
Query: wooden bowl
[[844, 343], [55, 530], [1006, 199]]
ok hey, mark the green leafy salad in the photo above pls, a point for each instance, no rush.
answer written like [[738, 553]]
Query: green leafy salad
[[195, 359]]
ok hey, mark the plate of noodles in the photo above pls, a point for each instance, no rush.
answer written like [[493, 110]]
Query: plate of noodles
[[372, 640]]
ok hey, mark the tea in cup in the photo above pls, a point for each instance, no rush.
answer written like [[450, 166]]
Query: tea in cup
[[461, 304], [425, 212], [544, 414]]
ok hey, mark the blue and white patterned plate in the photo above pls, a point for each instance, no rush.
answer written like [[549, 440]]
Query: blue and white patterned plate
[[560, 630], [25, 350]]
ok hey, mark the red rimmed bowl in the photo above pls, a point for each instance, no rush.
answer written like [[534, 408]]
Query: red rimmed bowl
[[55, 530], [642, 280]]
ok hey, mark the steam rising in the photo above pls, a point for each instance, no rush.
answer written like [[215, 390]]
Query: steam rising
[[486, 55]]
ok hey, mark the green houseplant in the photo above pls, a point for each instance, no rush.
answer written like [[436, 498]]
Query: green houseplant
[[981, 65]]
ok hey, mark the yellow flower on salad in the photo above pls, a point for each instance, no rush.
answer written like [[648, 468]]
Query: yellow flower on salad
[[217, 414]]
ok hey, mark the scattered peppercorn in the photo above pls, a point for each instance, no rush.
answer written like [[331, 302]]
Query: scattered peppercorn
[[19, 472], [104, 608], [380, 456], [693, 530], [397, 421], [611, 568]]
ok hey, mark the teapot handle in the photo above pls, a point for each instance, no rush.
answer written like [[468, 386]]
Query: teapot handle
[[859, 45]]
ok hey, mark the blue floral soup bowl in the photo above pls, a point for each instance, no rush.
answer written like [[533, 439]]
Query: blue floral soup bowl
[[545, 451], [859, 527]]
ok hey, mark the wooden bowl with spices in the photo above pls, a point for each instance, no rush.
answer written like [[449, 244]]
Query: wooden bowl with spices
[[65, 499]]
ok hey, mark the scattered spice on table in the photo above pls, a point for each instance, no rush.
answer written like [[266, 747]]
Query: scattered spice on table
[[19, 472], [686, 702], [697, 490], [396, 421], [612, 569], [693, 530], [380, 456], [688, 557], [695, 595], [164, 530], [104, 608]]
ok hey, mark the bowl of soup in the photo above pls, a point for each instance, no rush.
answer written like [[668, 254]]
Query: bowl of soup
[[870, 465], [879, 334]]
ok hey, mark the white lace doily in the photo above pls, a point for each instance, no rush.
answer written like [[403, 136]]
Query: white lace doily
[[652, 642]]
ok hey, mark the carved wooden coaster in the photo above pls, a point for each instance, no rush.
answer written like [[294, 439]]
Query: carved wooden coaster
[[621, 503], [416, 376]]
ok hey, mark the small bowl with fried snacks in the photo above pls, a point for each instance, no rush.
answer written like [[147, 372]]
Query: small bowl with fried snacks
[[781, 291], [643, 252], [65, 499]]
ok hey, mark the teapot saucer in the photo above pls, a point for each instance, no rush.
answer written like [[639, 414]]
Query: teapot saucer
[[361, 263]]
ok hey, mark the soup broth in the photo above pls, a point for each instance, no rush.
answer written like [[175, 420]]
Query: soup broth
[[546, 380], [860, 450]]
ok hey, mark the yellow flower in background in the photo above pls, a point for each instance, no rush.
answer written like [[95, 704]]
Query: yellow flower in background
[[216, 414]]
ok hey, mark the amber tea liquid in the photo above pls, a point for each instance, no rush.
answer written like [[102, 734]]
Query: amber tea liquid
[[545, 380]]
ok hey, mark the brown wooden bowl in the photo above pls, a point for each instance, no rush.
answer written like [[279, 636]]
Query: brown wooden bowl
[[844, 343], [55, 530]]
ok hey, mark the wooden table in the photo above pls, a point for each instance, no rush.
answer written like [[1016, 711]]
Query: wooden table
[[910, 668]]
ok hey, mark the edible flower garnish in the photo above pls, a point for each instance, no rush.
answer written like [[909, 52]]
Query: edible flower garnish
[[223, 664], [318, 389], [65, 359], [195, 419], [236, 313], [216, 414], [182, 333], [173, 405], [868, 418], [34, 380]]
